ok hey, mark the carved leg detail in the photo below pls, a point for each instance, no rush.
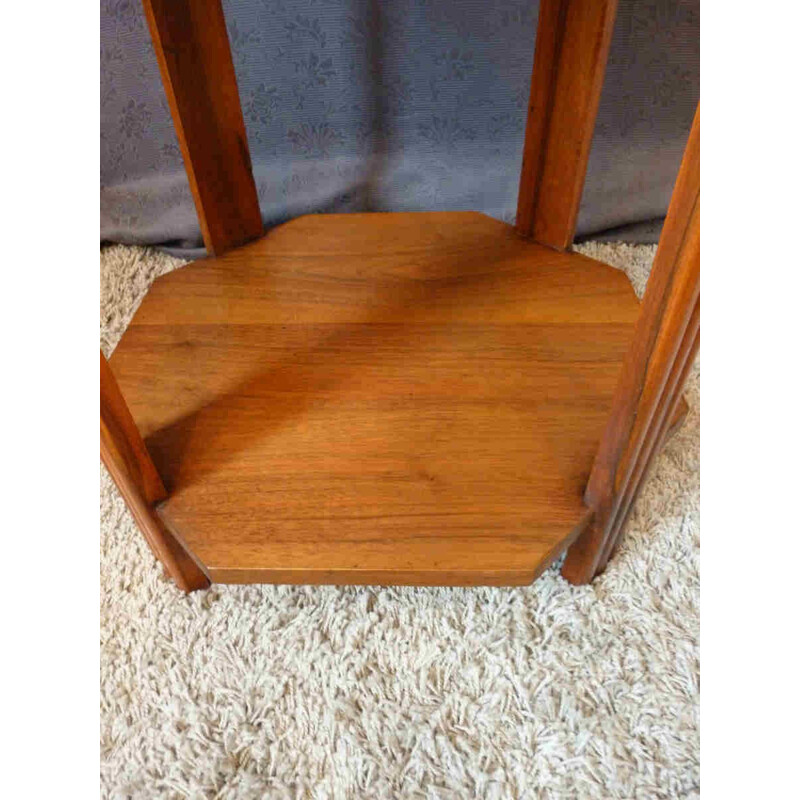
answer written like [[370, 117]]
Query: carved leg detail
[[648, 395]]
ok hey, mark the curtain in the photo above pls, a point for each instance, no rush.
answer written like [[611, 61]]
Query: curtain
[[395, 105]]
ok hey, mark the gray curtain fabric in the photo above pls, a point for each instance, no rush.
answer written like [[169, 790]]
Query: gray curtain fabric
[[395, 105]]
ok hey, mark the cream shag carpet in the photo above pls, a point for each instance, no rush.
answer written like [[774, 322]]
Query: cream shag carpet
[[548, 691]]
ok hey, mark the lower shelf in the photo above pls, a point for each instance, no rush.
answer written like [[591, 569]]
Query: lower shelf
[[377, 398]]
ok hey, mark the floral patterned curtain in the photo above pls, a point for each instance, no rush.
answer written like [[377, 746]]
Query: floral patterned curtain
[[355, 105]]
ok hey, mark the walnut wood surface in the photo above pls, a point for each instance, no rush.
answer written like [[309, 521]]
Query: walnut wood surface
[[649, 455], [125, 456], [194, 56], [378, 398], [656, 366], [121, 435], [572, 42]]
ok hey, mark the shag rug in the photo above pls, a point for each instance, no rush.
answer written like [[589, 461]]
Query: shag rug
[[547, 691]]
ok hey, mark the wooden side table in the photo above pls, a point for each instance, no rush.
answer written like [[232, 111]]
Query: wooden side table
[[434, 398]]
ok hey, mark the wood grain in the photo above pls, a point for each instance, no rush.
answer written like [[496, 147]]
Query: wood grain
[[648, 393], [125, 456], [194, 56], [572, 43], [123, 437], [649, 455], [391, 398]]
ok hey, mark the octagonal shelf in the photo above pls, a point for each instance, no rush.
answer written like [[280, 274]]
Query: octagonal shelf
[[377, 398]]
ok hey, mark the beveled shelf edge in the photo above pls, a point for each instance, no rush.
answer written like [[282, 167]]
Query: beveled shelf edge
[[385, 577]]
